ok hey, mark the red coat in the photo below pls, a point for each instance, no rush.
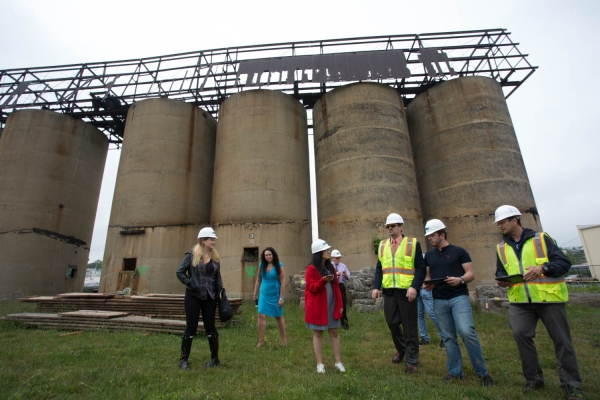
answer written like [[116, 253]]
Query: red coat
[[315, 298]]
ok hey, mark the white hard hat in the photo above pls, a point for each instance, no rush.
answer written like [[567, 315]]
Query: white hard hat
[[319, 245], [433, 225], [394, 218], [207, 232], [506, 211], [336, 253]]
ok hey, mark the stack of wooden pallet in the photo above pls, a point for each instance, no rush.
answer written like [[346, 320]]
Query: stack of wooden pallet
[[95, 311], [168, 306]]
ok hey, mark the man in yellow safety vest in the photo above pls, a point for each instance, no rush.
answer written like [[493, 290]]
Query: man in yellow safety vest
[[541, 295], [399, 275]]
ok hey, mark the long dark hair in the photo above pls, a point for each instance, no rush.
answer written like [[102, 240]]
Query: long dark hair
[[264, 262], [325, 268]]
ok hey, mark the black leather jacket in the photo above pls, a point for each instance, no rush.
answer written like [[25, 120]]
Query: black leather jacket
[[197, 281]]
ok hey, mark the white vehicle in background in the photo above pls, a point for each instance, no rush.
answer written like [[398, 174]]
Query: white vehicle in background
[[92, 281]]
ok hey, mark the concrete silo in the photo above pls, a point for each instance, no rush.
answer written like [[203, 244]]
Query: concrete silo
[[469, 163], [261, 194], [364, 169], [162, 195], [51, 168]]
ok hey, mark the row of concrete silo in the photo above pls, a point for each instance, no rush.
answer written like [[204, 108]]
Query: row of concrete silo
[[248, 177], [452, 154]]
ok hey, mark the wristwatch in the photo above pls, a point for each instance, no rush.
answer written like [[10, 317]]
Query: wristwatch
[[462, 280], [544, 269]]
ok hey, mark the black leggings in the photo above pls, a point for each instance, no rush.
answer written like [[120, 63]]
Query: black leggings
[[193, 307]]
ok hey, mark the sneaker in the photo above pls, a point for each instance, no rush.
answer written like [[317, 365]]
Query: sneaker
[[423, 342], [442, 345], [487, 380], [451, 377], [339, 366], [321, 369]]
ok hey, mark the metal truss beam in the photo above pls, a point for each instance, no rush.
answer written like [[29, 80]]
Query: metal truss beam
[[100, 93]]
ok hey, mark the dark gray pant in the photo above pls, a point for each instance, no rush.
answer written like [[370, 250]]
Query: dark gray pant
[[399, 311], [523, 322]]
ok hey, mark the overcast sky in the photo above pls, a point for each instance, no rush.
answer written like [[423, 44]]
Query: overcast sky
[[553, 112]]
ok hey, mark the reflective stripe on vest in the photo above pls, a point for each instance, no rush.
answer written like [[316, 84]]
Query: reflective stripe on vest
[[398, 269], [542, 290]]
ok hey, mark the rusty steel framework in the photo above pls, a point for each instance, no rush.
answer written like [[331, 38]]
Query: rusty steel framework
[[101, 92]]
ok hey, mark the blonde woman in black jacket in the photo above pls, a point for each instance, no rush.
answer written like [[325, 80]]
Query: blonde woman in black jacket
[[200, 272]]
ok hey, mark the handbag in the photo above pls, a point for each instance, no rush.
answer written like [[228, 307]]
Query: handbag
[[225, 310]]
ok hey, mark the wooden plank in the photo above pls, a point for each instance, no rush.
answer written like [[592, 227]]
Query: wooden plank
[[71, 333], [93, 314], [86, 295]]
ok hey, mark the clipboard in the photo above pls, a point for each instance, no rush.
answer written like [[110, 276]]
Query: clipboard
[[437, 281], [516, 278]]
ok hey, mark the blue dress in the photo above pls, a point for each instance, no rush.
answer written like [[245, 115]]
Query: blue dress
[[268, 301]]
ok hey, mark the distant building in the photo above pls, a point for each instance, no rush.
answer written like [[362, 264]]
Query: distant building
[[590, 239]]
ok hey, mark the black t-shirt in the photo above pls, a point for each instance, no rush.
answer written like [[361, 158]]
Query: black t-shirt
[[444, 263]]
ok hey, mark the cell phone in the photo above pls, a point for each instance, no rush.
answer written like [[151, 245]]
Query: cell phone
[[256, 303]]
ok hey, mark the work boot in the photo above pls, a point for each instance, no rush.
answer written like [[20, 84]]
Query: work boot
[[213, 343], [398, 357], [186, 347]]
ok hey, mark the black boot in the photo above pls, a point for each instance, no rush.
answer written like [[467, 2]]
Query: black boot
[[213, 342], [186, 347]]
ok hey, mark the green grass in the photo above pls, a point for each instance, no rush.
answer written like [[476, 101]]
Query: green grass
[[40, 364], [578, 288]]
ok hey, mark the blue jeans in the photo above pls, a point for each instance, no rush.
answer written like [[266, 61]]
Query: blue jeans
[[455, 315], [425, 305]]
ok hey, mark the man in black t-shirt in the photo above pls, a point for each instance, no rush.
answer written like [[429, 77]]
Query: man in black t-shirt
[[452, 266]]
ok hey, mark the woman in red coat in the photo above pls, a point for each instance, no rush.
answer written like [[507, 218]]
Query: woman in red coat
[[323, 303]]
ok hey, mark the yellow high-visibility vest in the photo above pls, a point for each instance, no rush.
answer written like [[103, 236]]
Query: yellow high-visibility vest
[[542, 290], [398, 269]]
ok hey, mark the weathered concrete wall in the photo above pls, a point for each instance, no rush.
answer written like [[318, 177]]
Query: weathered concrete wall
[[261, 183], [163, 192], [50, 177], [290, 241], [469, 163], [158, 252], [364, 169]]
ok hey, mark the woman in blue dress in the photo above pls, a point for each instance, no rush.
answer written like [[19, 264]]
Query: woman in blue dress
[[271, 281]]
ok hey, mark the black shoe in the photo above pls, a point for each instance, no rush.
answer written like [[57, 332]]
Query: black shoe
[[423, 342], [573, 393], [487, 380], [531, 386], [184, 364], [451, 377], [442, 345], [212, 363]]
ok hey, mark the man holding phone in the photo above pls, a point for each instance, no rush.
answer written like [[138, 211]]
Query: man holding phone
[[399, 274]]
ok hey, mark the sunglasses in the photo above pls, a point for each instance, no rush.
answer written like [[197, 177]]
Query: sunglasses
[[392, 226]]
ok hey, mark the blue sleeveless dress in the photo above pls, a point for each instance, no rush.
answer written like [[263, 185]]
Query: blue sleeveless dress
[[268, 301]]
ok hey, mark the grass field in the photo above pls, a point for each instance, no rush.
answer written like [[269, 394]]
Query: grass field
[[41, 364]]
